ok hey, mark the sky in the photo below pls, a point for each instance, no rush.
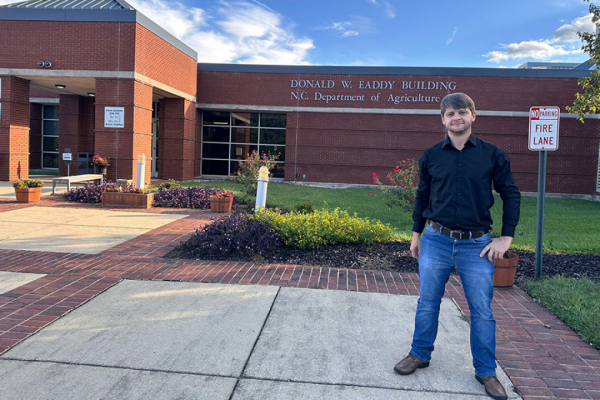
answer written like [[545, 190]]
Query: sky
[[465, 33]]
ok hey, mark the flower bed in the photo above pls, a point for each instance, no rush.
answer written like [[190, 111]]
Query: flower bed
[[195, 197]]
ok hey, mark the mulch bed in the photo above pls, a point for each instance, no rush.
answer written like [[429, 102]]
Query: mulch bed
[[396, 257]]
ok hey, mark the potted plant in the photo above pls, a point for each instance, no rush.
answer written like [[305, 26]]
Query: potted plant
[[505, 270], [131, 197], [101, 164], [28, 190], [221, 202]]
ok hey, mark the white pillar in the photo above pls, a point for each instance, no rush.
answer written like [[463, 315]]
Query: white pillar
[[261, 190], [141, 170]]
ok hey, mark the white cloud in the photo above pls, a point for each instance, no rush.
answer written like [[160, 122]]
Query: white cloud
[[344, 29], [568, 32], [232, 31], [451, 39], [564, 41], [538, 50], [389, 9]]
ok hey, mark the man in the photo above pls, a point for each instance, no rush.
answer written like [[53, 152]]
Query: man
[[455, 195]]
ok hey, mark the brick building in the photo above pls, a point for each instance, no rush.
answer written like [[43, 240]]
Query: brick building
[[101, 78]]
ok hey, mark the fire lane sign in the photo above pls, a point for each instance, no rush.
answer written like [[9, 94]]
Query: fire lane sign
[[543, 128]]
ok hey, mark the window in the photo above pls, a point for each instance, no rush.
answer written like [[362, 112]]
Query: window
[[50, 137], [229, 137]]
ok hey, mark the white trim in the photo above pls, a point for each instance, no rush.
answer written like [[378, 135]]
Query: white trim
[[68, 73], [44, 100], [348, 110]]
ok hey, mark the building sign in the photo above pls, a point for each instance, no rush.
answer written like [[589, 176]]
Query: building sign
[[543, 128], [114, 117], [385, 92]]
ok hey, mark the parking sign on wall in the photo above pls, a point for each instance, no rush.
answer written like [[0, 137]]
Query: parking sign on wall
[[114, 117], [543, 128]]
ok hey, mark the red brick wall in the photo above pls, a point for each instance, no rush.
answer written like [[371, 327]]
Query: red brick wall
[[76, 127], [14, 129], [489, 93], [124, 144], [177, 139], [99, 46], [349, 147], [35, 136], [159, 60]]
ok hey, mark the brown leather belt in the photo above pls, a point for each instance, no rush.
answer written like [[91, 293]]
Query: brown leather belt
[[457, 234]]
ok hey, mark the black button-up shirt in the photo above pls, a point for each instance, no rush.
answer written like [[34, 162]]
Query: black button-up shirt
[[455, 188]]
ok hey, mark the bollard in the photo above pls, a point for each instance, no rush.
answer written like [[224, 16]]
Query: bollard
[[141, 170], [261, 190]]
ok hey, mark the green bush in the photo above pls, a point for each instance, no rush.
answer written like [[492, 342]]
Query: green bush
[[171, 184], [324, 227], [28, 183], [305, 207]]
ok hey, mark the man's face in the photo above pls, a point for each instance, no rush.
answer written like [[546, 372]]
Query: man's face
[[458, 121]]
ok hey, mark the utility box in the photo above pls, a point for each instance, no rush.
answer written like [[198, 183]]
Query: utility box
[[84, 163]]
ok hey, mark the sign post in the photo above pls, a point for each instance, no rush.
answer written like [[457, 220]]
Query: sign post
[[543, 137], [67, 159]]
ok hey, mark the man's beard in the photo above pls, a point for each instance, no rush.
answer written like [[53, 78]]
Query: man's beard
[[460, 132]]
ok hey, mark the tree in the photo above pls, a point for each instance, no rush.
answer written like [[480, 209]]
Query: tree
[[588, 102]]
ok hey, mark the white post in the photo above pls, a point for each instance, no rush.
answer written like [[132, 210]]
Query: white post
[[141, 170], [261, 190]]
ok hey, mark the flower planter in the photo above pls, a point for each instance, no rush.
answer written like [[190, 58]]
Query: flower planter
[[220, 204], [506, 268], [28, 195], [101, 168], [130, 200]]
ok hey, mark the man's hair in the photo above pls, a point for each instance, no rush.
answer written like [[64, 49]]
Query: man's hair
[[457, 101]]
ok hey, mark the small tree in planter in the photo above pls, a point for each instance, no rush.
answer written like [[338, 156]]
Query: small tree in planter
[[28, 190]]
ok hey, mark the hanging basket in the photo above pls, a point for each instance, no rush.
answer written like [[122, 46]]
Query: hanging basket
[[505, 270], [220, 204]]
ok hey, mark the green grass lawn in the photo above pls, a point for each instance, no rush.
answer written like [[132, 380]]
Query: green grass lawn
[[42, 172], [571, 226], [575, 301]]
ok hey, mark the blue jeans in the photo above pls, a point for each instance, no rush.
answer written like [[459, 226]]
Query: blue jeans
[[439, 253]]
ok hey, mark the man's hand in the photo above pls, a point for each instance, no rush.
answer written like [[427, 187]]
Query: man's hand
[[496, 249], [415, 245]]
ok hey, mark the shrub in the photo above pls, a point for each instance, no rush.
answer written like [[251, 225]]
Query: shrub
[[28, 183], [401, 187], [309, 231], [306, 207], [171, 184], [247, 175], [90, 193], [196, 197], [236, 236]]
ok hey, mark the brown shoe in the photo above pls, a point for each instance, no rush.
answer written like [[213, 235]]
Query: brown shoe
[[493, 387], [408, 365]]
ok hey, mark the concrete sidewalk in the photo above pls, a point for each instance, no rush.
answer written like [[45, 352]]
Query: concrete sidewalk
[[167, 340], [125, 322]]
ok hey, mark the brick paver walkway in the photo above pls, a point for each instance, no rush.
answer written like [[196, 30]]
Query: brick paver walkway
[[544, 358]]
